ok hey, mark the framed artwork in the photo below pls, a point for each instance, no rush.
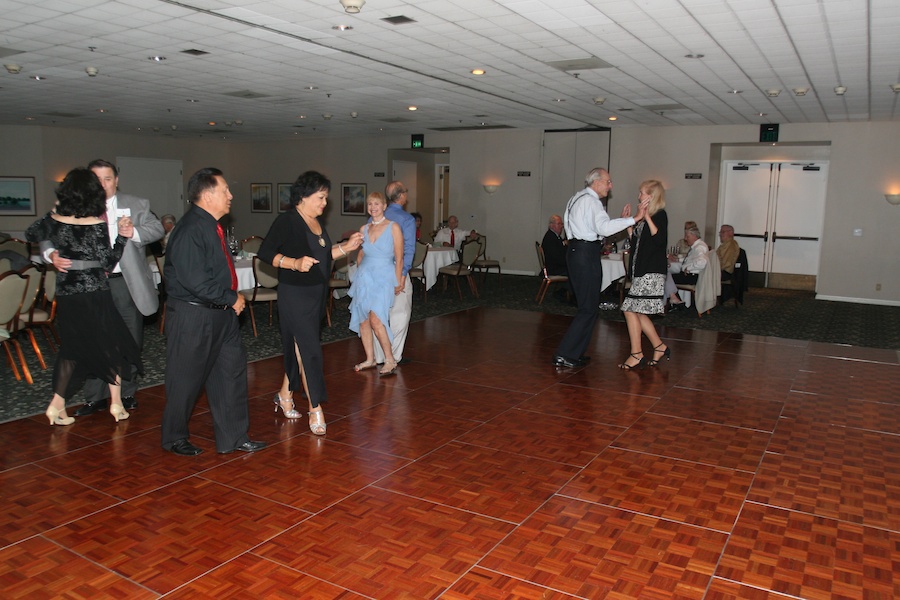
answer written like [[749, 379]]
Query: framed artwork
[[261, 197], [353, 199], [17, 196], [284, 197]]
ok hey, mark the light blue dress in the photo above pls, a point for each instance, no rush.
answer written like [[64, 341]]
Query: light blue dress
[[374, 282]]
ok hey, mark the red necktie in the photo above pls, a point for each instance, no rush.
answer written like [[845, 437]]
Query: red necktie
[[221, 233], [452, 239]]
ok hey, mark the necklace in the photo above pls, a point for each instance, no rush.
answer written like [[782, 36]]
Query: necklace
[[374, 222], [318, 235]]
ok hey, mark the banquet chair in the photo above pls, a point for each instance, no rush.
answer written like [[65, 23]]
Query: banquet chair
[[5, 265], [483, 264], [334, 283], [705, 293], [251, 244], [417, 271], [12, 295], [625, 282], [43, 312], [265, 280], [35, 275], [546, 279], [16, 245], [463, 268], [738, 281]]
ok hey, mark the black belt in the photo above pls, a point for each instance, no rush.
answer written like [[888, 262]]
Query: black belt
[[114, 275], [212, 306], [585, 241]]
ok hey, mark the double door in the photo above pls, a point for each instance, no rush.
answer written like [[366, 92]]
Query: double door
[[777, 210]]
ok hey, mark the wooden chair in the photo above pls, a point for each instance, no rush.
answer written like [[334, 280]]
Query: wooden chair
[[334, 283], [705, 293], [43, 312], [625, 282], [35, 275], [463, 268], [12, 295], [265, 279], [738, 281], [251, 244], [417, 271], [483, 264], [18, 246], [546, 279]]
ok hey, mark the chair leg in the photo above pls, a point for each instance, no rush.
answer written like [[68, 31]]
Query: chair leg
[[25, 370], [162, 319], [542, 291], [271, 309], [11, 360], [37, 349], [47, 330], [252, 317]]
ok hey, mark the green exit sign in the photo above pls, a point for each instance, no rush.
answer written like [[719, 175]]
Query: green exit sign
[[768, 132], [418, 140]]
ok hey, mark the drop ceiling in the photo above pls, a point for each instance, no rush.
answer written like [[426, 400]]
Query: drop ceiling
[[277, 69]]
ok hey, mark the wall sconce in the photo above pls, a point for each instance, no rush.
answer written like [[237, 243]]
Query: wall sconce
[[490, 189], [892, 198]]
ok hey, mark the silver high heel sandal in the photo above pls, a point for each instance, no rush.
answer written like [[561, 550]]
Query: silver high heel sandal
[[317, 421], [290, 413]]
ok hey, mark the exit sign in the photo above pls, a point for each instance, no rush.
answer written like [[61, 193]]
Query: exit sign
[[418, 140], [768, 132]]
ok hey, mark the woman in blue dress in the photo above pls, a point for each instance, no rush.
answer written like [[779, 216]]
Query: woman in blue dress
[[377, 282]]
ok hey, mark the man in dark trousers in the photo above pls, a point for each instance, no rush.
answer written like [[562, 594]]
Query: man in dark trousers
[[204, 346], [587, 224], [555, 247]]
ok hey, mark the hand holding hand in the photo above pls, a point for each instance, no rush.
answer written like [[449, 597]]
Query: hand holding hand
[[126, 227], [626, 211], [61, 264], [354, 241]]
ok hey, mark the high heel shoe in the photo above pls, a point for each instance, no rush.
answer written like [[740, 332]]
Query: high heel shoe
[[291, 413], [58, 417], [667, 354], [118, 412], [639, 365], [317, 421], [389, 368]]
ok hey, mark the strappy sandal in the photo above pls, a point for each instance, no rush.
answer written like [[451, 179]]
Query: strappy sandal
[[667, 354], [388, 369], [317, 421], [363, 366], [640, 365]]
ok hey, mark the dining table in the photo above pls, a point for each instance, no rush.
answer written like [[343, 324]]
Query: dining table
[[437, 257], [243, 267], [613, 270]]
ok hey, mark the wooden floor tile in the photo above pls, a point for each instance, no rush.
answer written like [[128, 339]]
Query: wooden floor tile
[[465, 400], [808, 556], [28, 440], [843, 411], [488, 585], [677, 490], [599, 406], [386, 545], [594, 551], [752, 384], [720, 407]]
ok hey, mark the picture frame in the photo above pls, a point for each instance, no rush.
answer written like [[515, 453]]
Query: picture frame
[[353, 199], [284, 197], [261, 197], [17, 196]]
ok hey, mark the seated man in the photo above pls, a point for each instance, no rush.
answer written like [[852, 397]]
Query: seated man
[[728, 252], [687, 270], [451, 236], [554, 247]]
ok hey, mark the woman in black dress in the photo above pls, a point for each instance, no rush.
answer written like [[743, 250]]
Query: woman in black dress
[[95, 340], [299, 247], [648, 276]]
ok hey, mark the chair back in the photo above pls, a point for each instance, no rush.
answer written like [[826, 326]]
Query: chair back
[[709, 284], [541, 262], [419, 256], [470, 251], [252, 244], [265, 274], [34, 274], [12, 296], [17, 246], [50, 284], [5, 265], [482, 245]]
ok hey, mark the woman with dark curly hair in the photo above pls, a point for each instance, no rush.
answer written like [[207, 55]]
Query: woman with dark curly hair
[[299, 247], [95, 340]]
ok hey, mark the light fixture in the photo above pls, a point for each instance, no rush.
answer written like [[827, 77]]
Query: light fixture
[[773, 93], [38, 77], [491, 188], [327, 116], [894, 86], [599, 100], [354, 114], [735, 91], [341, 27], [477, 71], [800, 91], [695, 56], [840, 90], [156, 58], [412, 108], [14, 69], [892, 198], [613, 118], [352, 6], [238, 122], [211, 123], [91, 71]]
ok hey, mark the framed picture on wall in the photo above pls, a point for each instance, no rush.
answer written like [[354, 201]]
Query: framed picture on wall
[[284, 197], [17, 196], [353, 199], [260, 197]]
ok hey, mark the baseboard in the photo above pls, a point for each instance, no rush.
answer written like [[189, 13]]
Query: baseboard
[[859, 300]]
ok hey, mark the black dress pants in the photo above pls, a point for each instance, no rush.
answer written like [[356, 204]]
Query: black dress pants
[[585, 275]]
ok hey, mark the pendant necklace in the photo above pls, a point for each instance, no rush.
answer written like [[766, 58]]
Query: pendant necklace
[[319, 235]]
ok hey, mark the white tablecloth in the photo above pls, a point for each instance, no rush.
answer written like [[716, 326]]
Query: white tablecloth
[[242, 266], [436, 258], [613, 270]]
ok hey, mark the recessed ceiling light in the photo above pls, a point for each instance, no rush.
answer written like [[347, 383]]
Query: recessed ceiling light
[[840, 90], [412, 108], [735, 91], [29, 118], [896, 87], [301, 117], [613, 118], [800, 91], [310, 88], [772, 93], [192, 100], [477, 71], [761, 114], [156, 58], [341, 27], [211, 123], [694, 55], [559, 99], [101, 110]]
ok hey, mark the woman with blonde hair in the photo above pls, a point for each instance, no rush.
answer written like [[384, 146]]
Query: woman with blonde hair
[[648, 272]]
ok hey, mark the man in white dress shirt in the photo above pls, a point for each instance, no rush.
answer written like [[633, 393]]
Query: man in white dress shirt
[[452, 235]]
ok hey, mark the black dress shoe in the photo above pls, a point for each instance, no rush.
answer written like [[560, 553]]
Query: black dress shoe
[[185, 448], [675, 306], [404, 361], [562, 361], [248, 446], [129, 402], [89, 408], [585, 359]]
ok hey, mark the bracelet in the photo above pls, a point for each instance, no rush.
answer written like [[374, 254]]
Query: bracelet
[[341, 248], [281, 261]]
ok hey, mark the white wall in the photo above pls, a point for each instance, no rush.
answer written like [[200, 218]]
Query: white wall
[[863, 167]]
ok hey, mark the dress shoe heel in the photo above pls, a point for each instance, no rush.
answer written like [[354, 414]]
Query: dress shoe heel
[[290, 413], [317, 421], [118, 412], [58, 417], [667, 354]]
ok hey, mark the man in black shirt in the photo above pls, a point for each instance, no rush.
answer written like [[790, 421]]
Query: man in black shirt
[[204, 346], [554, 247]]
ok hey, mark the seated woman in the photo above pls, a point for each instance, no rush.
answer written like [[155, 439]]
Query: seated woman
[[379, 278]]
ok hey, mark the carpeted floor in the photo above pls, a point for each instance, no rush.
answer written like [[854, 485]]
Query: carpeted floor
[[767, 312]]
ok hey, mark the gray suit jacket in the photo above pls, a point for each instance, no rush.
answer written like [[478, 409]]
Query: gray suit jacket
[[134, 264]]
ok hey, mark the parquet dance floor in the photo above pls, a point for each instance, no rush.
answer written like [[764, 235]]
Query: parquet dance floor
[[745, 467]]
